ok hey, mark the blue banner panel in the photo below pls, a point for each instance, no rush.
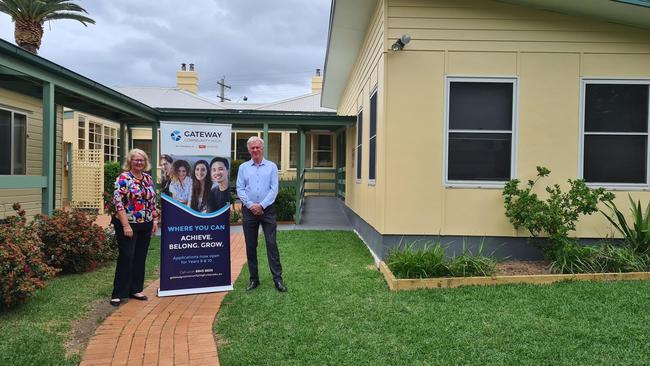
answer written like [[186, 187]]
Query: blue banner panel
[[195, 253]]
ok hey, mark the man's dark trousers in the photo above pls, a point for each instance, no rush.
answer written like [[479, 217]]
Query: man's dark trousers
[[251, 229]]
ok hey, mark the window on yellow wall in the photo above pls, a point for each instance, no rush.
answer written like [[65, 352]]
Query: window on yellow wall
[[274, 147], [359, 142], [81, 133], [372, 141], [615, 132], [323, 153], [480, 130]]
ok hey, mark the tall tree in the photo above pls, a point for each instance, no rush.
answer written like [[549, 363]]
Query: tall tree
[[30, 15]]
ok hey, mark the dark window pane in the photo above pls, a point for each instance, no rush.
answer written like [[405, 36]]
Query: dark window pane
[[480, 106], [242, 146], [323, 159], [616, 108], [324, 142], [144, 145], [5, 142], [19, 143], [615, 159], [479, 156], [274, 147], [373, 115], [372, 158], [293, 150], [359, 127]]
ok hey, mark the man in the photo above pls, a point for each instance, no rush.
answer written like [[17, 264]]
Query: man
[[257, 187]]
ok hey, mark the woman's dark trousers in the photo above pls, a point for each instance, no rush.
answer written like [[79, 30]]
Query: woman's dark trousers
[[129, 272]]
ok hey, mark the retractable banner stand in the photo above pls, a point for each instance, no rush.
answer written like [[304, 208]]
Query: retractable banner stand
[[195, 200]]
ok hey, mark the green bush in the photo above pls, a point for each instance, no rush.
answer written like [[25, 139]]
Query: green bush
[[636, 236], [22, 268], [285, 204], [411, 261], [603, 258], [72, 241], [234, 169], [112, 170], [554, 217]]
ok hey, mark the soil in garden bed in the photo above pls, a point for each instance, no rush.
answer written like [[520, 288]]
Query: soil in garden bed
[[517, 268]]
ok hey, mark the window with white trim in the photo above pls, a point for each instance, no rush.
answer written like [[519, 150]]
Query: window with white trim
[[13, 143], [323, 153], [359, 142], [615, 132], [480, 130], [81, 132], [372, 140]]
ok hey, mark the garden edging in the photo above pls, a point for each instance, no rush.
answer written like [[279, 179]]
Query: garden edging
[[451, 282]]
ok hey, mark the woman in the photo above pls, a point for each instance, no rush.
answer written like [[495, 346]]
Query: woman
[[181, 183], [220, 194], [166, 168], [201, 184], [135, 221]]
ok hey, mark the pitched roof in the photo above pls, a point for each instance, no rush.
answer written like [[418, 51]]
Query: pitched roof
[[158, 97]]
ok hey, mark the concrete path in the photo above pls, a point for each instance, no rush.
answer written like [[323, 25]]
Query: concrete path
[[321, 213], [163, 331]]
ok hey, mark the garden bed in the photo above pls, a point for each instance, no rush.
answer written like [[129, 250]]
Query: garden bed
[[451, 282]]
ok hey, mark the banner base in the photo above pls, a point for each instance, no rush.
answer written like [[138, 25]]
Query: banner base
[[190, 291]]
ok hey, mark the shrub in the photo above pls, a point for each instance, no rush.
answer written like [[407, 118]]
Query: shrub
[[72, 241], [22, 269], [285, 203], [234, 169], [429, 261], [112, 170], [603, 258], [554, 217], [235, 215], [638, 235]]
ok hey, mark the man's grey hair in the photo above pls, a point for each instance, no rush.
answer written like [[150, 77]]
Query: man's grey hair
[[254, 139]]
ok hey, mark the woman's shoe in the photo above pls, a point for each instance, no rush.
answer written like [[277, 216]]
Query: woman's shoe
[[115, 302], [140, 297]]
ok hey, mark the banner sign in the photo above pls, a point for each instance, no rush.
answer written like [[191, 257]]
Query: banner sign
[[195, 203]]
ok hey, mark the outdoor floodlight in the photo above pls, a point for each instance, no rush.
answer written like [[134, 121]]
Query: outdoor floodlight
[[401, 42]]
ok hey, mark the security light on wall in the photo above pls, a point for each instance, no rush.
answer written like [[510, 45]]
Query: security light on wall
[[401, 42]]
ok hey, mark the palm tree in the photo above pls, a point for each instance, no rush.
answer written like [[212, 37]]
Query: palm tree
[[29, 16]]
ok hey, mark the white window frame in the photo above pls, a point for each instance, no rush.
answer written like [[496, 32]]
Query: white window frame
[[372, 182], [581, 152], [12, 147], [513, 141], [314, 151]]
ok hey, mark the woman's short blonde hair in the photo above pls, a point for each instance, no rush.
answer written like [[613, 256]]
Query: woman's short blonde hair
[[127, 162]]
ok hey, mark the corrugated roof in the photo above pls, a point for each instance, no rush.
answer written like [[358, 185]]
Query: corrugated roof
[[158, 97]]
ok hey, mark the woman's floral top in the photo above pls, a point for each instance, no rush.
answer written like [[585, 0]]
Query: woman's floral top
[[137, 197]]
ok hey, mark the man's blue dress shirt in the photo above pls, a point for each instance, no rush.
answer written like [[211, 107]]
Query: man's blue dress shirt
[[257, 183]]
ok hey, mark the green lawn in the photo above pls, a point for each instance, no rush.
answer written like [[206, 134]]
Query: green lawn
[[339, 311], [35, 333]]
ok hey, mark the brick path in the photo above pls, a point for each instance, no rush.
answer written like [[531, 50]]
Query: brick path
[[163, 331]]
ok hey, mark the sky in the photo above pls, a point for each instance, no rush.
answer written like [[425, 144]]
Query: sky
[[267, 50]]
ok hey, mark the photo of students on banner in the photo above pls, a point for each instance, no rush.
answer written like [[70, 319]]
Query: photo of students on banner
[[199, 182]]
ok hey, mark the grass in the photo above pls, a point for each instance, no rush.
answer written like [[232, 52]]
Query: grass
[[35, 333], [339, 311]]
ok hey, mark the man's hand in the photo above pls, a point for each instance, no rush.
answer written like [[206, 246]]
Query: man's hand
[[257, 209]]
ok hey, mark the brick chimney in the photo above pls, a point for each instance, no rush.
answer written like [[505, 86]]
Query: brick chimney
[[187, 79], [316, 82]]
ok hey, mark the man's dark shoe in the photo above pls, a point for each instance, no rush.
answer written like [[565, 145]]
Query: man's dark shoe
[[280, 286], [252, 285]]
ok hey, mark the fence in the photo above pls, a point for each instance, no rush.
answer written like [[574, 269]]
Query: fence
[[88, 179]]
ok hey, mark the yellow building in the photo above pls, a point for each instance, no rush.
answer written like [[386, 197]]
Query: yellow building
[[484, 92]]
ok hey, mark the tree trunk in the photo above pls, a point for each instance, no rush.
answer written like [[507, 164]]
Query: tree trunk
[[28, 35]]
